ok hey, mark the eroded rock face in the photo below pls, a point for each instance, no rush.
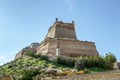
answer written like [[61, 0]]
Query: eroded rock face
[[61, 40]]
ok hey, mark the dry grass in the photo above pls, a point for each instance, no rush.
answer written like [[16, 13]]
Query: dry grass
[[110, 75]]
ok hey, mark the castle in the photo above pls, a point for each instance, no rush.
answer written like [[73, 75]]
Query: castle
[[61, 40]]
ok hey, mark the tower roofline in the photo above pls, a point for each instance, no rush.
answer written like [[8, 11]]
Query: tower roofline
[[57, 21]]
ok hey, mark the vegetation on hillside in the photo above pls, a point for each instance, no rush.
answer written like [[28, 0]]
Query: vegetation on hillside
[[33, 67]]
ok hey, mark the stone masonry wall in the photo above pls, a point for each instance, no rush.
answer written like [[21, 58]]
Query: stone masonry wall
[[65, 31], [71, 48], [23, 51], [43, 48], [51, 32], [62, 30]]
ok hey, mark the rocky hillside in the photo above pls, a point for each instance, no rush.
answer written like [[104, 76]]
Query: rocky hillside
[[31, 68], [37, 67]]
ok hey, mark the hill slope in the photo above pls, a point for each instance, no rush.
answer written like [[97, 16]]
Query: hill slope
[[30, 66], [35, 67]]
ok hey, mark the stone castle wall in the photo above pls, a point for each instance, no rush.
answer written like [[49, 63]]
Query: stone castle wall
[[23, 51], [74, 48], [43, 48], [65, 31], [51, 32], [70, 48]]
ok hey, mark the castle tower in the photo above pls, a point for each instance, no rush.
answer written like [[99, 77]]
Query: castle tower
[[62, 40], [62, 30]]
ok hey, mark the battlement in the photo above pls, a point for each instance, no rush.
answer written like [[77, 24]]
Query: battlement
[[64, 24]]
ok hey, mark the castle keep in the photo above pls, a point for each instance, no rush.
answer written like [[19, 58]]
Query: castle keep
[[61, 40]]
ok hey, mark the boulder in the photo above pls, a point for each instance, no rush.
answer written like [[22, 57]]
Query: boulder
[[51, 71]]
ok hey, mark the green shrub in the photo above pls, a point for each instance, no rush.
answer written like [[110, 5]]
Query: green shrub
[[37, 77], [70, 62], [100, 62], [87, 62], [110, 57], [96, 61], [30, 54], [109, 60], [44, 57], [79, 64], [29, 74], [34, 55]]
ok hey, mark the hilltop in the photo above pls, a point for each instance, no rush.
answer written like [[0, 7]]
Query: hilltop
[[35, 67], [59, 54]]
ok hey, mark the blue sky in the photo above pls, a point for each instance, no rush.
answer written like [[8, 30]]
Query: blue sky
[[25, 21]]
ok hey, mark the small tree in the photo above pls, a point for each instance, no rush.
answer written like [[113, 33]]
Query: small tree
[[70, 62], [109, 60]]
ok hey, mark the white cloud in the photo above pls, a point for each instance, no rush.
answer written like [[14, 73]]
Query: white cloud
[[69, 4]]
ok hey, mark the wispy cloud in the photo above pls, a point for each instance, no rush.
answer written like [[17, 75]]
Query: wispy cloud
[[69, 4]]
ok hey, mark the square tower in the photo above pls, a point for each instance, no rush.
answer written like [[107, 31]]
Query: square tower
[[62, 30]]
